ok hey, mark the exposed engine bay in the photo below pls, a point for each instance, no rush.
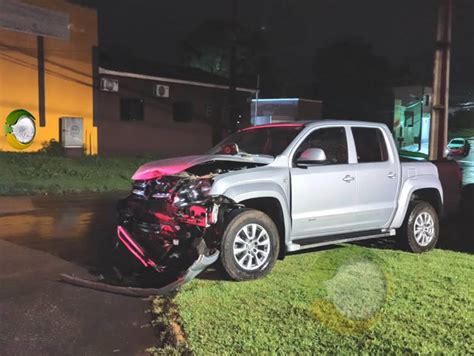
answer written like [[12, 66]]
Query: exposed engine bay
[[171, 223]]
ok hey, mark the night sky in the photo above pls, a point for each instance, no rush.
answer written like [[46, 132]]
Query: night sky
[[401, 30]]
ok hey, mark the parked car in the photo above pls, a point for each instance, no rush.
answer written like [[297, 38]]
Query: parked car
[[458, 146], [269, 190]]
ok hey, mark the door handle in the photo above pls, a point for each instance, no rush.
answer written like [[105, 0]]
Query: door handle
[[348, 178], [391, 175]]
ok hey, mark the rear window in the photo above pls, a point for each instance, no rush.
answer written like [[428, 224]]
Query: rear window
[[370, 144]]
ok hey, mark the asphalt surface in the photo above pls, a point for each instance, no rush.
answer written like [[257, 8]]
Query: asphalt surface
[[39, 239]]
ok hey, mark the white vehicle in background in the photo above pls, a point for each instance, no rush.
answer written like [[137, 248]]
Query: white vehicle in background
[[458, 146]]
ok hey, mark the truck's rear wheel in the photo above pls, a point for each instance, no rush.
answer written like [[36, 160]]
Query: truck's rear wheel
[[250, 245], [420, 230]]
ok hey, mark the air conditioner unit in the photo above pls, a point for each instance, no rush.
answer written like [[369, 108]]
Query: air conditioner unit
[[107, 84], [162, 91]]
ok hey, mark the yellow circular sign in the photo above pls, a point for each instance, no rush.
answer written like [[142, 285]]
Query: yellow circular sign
[[20, 129]]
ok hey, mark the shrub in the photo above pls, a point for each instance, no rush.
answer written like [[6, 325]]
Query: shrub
[[52, 148]]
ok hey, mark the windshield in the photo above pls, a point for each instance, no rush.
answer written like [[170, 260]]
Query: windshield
[[457, 141], [268, 140]]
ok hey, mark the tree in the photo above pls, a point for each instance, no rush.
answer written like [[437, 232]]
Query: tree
[[353, 82], [462, 119], [208, 48]]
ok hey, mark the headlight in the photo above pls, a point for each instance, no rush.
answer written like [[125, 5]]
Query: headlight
[[194, 191]]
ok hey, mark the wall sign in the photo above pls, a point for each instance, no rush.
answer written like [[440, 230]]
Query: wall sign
[[20, 129]]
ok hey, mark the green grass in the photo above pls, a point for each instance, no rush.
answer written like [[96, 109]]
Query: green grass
[[344, 300], [37, 173]]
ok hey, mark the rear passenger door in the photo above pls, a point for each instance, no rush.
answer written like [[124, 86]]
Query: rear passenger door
[[376, 176]]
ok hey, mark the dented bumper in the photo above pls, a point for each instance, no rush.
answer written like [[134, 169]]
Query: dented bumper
[[181, 243], [199, 265], [132, 246]]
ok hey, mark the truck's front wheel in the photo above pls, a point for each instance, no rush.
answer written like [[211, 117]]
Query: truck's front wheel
[[250, 245], [421, 228]]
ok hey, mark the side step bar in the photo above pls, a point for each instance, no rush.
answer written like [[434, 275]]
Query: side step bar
[[303, 244]]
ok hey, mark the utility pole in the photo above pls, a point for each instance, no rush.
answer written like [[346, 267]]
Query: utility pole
[[231, 124], [440, 103]]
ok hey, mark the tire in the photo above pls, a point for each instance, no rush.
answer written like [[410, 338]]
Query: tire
[[424, 218], [249, 245]]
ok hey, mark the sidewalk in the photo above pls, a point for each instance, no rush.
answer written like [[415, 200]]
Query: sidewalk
[[39, 315]]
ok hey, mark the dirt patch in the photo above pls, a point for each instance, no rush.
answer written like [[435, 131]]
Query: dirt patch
[[169, 328]]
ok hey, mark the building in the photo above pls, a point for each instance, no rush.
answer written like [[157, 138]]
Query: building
[[412, 114], [54, 85], [144, 108], [265, 111], [46, 74]]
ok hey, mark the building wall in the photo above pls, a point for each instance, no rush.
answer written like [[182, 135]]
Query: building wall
[[285, 109], [411, 123], [68, 75], [309, 109], [158, 133]]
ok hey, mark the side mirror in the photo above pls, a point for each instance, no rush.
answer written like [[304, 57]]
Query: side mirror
[[312, 156], [229, 149]]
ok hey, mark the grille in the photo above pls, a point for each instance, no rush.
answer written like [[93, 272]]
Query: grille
[[153, 189]]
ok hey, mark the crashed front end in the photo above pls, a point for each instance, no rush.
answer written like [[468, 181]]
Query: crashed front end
[[172, 224]]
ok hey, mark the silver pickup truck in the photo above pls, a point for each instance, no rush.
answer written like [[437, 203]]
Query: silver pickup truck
[[273, 189]]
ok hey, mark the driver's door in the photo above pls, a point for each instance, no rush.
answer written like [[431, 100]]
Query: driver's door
[[323, 195]]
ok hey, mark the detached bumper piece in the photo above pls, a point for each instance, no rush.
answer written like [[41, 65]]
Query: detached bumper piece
[[203, 259], [197, 267]]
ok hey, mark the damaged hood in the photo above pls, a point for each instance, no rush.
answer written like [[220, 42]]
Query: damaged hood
[[172, 166]]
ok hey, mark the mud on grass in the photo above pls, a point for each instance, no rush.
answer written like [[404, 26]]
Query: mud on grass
[[168, 327]]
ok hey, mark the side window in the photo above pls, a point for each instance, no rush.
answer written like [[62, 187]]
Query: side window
[[370, 144], [131, 109], [332, 140]]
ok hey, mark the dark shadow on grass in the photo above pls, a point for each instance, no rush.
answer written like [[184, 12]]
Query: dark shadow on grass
[[214, 273], [388, 243]]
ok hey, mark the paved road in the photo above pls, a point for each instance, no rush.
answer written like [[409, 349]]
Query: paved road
[[39, 239]]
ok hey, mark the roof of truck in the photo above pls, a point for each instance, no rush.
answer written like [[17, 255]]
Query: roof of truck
[[309, 123]]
